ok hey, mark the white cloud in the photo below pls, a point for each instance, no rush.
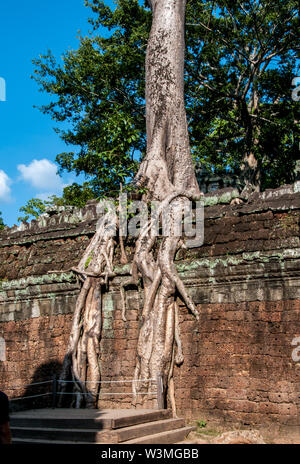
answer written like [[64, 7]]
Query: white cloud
[[45, 195], [5, 191], [42, 174]]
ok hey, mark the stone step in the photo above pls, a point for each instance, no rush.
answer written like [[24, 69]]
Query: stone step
[[96, 436], [169, 437], [141, 430], [83, 426], [33, 422], [59, 434], [141, 418], [36, 441], [67, 421]]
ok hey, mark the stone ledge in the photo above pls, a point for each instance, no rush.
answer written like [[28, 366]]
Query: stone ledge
[[63, 222], [233, 279], [184, 267]]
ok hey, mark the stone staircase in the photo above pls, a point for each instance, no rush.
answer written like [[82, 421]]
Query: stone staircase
[[65, 426]]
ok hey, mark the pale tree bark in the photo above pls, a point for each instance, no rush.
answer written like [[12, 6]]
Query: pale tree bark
[[250, 173], [167, 172], [249, 166], [168, 163]]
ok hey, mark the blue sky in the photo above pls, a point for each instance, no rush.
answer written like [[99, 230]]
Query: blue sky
[[28, 143]]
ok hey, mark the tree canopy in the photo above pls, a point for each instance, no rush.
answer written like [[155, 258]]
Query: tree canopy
[[240, 85], [239, 65], [74, 194], [33, 208]]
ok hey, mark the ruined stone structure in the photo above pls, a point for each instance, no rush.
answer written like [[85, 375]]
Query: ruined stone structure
[[209, 182], [239, 362]]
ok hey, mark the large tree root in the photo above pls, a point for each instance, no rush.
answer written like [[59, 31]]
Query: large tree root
[[167, 173], [82, 360], [159, 344]]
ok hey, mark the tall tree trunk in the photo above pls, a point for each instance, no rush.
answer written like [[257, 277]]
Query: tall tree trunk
[[249, 166], [168, 173], [168, 164], [250, 172]]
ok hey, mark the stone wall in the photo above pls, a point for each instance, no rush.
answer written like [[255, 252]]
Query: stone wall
[[244, 279]]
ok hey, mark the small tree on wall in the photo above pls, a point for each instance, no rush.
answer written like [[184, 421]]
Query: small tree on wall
[[166, 175], [1, 222]]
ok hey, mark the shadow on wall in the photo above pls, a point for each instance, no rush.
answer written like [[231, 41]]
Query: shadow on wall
[[38, 393], [44, 391]]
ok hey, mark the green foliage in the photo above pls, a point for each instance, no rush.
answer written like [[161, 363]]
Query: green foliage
[[86, 264], [239, 86], [240, 61], [33, 208], [75, 195], [2, 225], [201, 424]]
